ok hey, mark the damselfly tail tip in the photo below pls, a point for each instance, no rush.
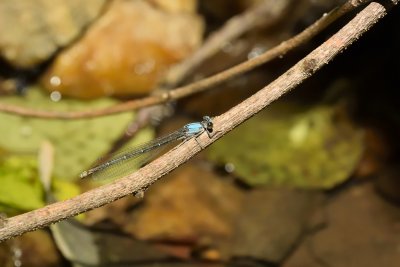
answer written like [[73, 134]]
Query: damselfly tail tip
[[83, 174]]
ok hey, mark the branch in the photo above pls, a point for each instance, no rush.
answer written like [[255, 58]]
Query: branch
[[265, 13], [143, 178], [195, 87]]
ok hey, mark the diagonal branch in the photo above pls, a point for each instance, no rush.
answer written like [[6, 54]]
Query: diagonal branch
[[199, 86], [143, 178], [265, 13]]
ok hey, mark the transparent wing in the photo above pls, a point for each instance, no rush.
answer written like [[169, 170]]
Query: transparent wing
[[128, 160], [128, 166]]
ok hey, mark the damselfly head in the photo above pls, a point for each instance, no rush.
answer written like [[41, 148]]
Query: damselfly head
[[207, 124]]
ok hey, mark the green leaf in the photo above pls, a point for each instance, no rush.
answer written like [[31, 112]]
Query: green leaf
[[78, 143], [19, 187], [314, 148], [64, 190]]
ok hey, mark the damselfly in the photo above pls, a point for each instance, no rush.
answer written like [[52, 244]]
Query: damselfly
[[123, 160]]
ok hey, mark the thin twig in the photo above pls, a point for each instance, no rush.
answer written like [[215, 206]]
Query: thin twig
[[195, 87], [266, 13], [224, 123]]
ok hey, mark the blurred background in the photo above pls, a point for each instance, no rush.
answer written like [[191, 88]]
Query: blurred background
[[313, 180]]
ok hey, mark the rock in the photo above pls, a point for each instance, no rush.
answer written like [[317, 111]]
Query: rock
[[361, 230], [271, 223], [32, 31], [125, 52]]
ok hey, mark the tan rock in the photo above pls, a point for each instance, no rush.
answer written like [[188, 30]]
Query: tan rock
[[125, 52], [32, 31]]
